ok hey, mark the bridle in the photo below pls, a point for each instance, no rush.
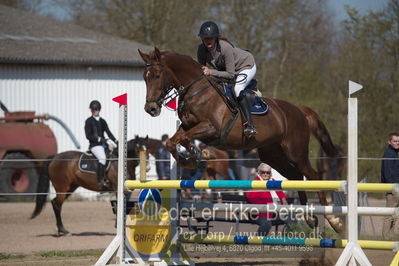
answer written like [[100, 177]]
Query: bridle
[[160, 100], [165, 96]]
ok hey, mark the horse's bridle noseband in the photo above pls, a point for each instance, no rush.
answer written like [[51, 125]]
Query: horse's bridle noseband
[[160, 99], [179, 91]]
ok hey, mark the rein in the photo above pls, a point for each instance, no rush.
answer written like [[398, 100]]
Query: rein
[[160, 99], [182, 90]]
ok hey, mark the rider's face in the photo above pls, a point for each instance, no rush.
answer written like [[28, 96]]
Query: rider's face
[[95, 112], [210, 43]]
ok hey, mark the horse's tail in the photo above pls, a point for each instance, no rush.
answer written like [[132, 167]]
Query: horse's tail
[[42, 188], [319, 131]]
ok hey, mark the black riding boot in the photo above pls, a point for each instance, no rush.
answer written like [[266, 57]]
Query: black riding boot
[[101, 175], [245, 101]]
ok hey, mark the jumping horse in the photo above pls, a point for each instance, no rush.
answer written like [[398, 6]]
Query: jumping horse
[[63, 172], [283, 133]]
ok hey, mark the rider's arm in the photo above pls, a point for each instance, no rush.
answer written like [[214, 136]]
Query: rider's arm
[[109, 134], [91, 133]]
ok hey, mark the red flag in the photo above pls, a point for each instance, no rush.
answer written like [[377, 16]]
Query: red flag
[[172, 104], [121, 99]]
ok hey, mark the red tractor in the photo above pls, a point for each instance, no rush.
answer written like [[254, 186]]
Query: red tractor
[[24, 142]]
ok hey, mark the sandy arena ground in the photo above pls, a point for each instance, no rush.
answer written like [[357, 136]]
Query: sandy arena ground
[[92, 227]]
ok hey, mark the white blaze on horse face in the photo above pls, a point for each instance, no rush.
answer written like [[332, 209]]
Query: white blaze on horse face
[[147, 74]]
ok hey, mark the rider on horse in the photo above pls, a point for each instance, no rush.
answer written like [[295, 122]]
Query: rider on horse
[[95, 126], [222, 60]]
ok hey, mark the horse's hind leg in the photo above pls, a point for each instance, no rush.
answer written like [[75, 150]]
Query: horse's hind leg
[[275, 156], [57, 207], [303, 164]]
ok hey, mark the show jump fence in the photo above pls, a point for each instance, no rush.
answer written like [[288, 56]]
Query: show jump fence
[[137, 235]]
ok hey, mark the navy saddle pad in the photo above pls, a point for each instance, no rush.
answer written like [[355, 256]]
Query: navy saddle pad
[[88, 163], [260, 106]]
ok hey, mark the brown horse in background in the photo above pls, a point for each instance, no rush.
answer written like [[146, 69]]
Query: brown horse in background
[[63, 172], [218, 164], [283, 133]]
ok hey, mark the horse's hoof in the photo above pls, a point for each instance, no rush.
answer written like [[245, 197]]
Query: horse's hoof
[[208, 155], [64, 233], [335, 223]]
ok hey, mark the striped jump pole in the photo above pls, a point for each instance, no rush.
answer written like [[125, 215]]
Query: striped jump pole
[[310, 242], [259, 185], [274, 208]]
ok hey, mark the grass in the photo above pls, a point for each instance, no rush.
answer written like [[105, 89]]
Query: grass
[[79, 253], [5, 256], [301, 229], [45, 255]]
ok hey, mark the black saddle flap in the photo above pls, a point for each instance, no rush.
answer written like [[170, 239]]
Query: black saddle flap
[[88, 163], [259, 107]]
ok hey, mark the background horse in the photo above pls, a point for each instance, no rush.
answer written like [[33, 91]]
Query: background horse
[[219, 165], [283, 133], [63, 172], [134, 146]]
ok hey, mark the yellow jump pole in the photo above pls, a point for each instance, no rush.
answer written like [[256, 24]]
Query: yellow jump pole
[[259, 185]]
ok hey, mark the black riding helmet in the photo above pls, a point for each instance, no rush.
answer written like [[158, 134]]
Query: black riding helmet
[[209, 29], [95, 105]]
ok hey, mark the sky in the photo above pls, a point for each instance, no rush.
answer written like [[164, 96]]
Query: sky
[[337, 8], [363, 6]]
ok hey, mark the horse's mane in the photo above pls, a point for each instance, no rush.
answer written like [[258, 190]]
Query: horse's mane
[[172, 55]]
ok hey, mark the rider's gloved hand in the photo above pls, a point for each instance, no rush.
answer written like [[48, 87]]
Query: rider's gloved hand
[[111, 144], [103, 141]]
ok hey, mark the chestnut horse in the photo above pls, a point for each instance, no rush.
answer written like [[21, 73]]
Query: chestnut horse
[[283, 133], [63, 172]]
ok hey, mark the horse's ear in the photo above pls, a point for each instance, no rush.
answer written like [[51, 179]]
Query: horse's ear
[[146, 137], [144, 56], [137, 137], [157, 54]]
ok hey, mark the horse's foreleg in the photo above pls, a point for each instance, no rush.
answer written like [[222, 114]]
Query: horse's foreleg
[[202, 131]]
